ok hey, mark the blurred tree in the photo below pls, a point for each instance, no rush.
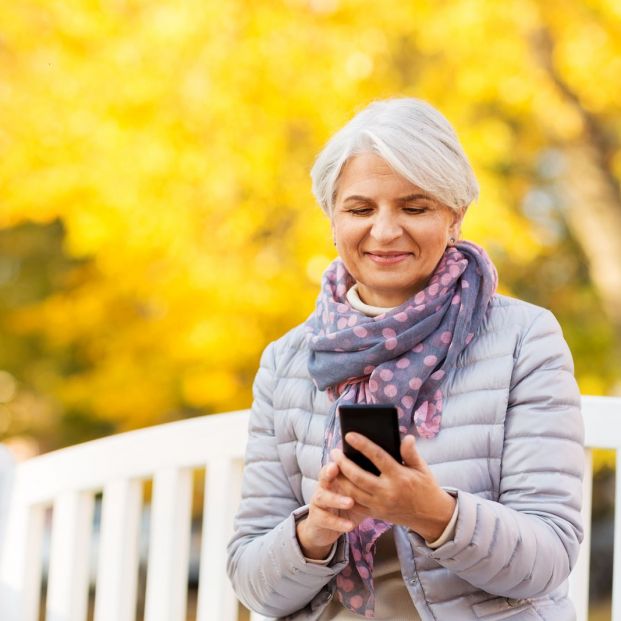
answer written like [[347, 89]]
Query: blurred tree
[[591, 175], [158, 153]]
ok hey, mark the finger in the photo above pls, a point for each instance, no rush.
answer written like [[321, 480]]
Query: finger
[[382, 460], [362, 479], [360, 497], [324, 518], [330, 500], [358, 513], [327, 474], [410, 454]]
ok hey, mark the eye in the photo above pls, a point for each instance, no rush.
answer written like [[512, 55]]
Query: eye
[[360, 211], [414, 210]]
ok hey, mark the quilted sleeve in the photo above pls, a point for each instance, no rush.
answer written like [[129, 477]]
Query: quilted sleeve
[[525, 545], [265, 562]]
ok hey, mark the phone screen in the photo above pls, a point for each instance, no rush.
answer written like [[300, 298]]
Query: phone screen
[[379, 423]]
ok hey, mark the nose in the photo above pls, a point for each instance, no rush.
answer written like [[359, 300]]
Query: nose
[[385, 227]]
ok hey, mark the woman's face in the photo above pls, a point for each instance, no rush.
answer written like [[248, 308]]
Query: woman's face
[[388, 232]]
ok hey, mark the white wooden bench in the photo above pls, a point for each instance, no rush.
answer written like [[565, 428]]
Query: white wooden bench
[[68, 481]]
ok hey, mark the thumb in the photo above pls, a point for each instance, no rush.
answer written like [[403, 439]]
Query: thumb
[[410, 454], [327, 474]]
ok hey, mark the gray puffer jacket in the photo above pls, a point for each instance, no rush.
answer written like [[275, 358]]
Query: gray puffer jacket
[[510, 445]]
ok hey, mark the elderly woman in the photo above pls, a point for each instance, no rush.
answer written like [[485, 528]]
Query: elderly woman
[[481, 519]]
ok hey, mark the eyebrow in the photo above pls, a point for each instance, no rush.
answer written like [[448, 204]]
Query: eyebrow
[[412, 197], [401, 199]]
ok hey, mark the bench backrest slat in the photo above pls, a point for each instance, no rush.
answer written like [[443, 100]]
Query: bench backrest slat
[[67, 594], [118, 551], [169, 545]]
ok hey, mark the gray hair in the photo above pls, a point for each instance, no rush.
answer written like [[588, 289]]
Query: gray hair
[[413, 138]]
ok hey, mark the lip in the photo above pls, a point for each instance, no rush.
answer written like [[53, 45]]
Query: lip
[[388, 258]]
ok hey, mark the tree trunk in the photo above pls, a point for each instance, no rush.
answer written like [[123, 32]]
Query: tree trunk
[[592, 192], [594, 217]]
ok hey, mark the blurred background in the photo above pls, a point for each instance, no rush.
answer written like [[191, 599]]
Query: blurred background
[[157, 228]]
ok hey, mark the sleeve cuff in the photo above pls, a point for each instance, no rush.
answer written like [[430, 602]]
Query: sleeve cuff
[[325, 561], [339, 553], [448, 533]]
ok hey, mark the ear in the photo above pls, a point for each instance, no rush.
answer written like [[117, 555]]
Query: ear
[[455, 226]]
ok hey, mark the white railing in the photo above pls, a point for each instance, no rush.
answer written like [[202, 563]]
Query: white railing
[[68, 481], [602, 425]]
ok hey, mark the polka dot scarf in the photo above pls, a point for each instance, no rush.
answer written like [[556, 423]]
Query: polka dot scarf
[[399, 357]]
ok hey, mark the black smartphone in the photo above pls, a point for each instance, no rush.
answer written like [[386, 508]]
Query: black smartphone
[[379, 423]]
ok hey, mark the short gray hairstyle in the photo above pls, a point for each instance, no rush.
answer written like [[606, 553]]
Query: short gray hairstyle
[[413, 138]]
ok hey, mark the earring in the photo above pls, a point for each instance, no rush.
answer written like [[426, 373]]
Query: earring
[[451, 241]]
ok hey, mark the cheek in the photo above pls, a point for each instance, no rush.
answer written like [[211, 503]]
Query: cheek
[[438, 235], [348, 238], [344, 229]]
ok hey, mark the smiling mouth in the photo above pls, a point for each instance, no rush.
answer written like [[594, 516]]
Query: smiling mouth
[[388, 258]]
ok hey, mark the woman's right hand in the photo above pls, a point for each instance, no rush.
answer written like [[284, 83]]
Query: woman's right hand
[[330, 514]]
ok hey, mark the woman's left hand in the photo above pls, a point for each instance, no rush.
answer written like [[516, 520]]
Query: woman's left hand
[[405, 494]]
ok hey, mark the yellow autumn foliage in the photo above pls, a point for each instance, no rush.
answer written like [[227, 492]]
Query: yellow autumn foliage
[[173, 141]]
